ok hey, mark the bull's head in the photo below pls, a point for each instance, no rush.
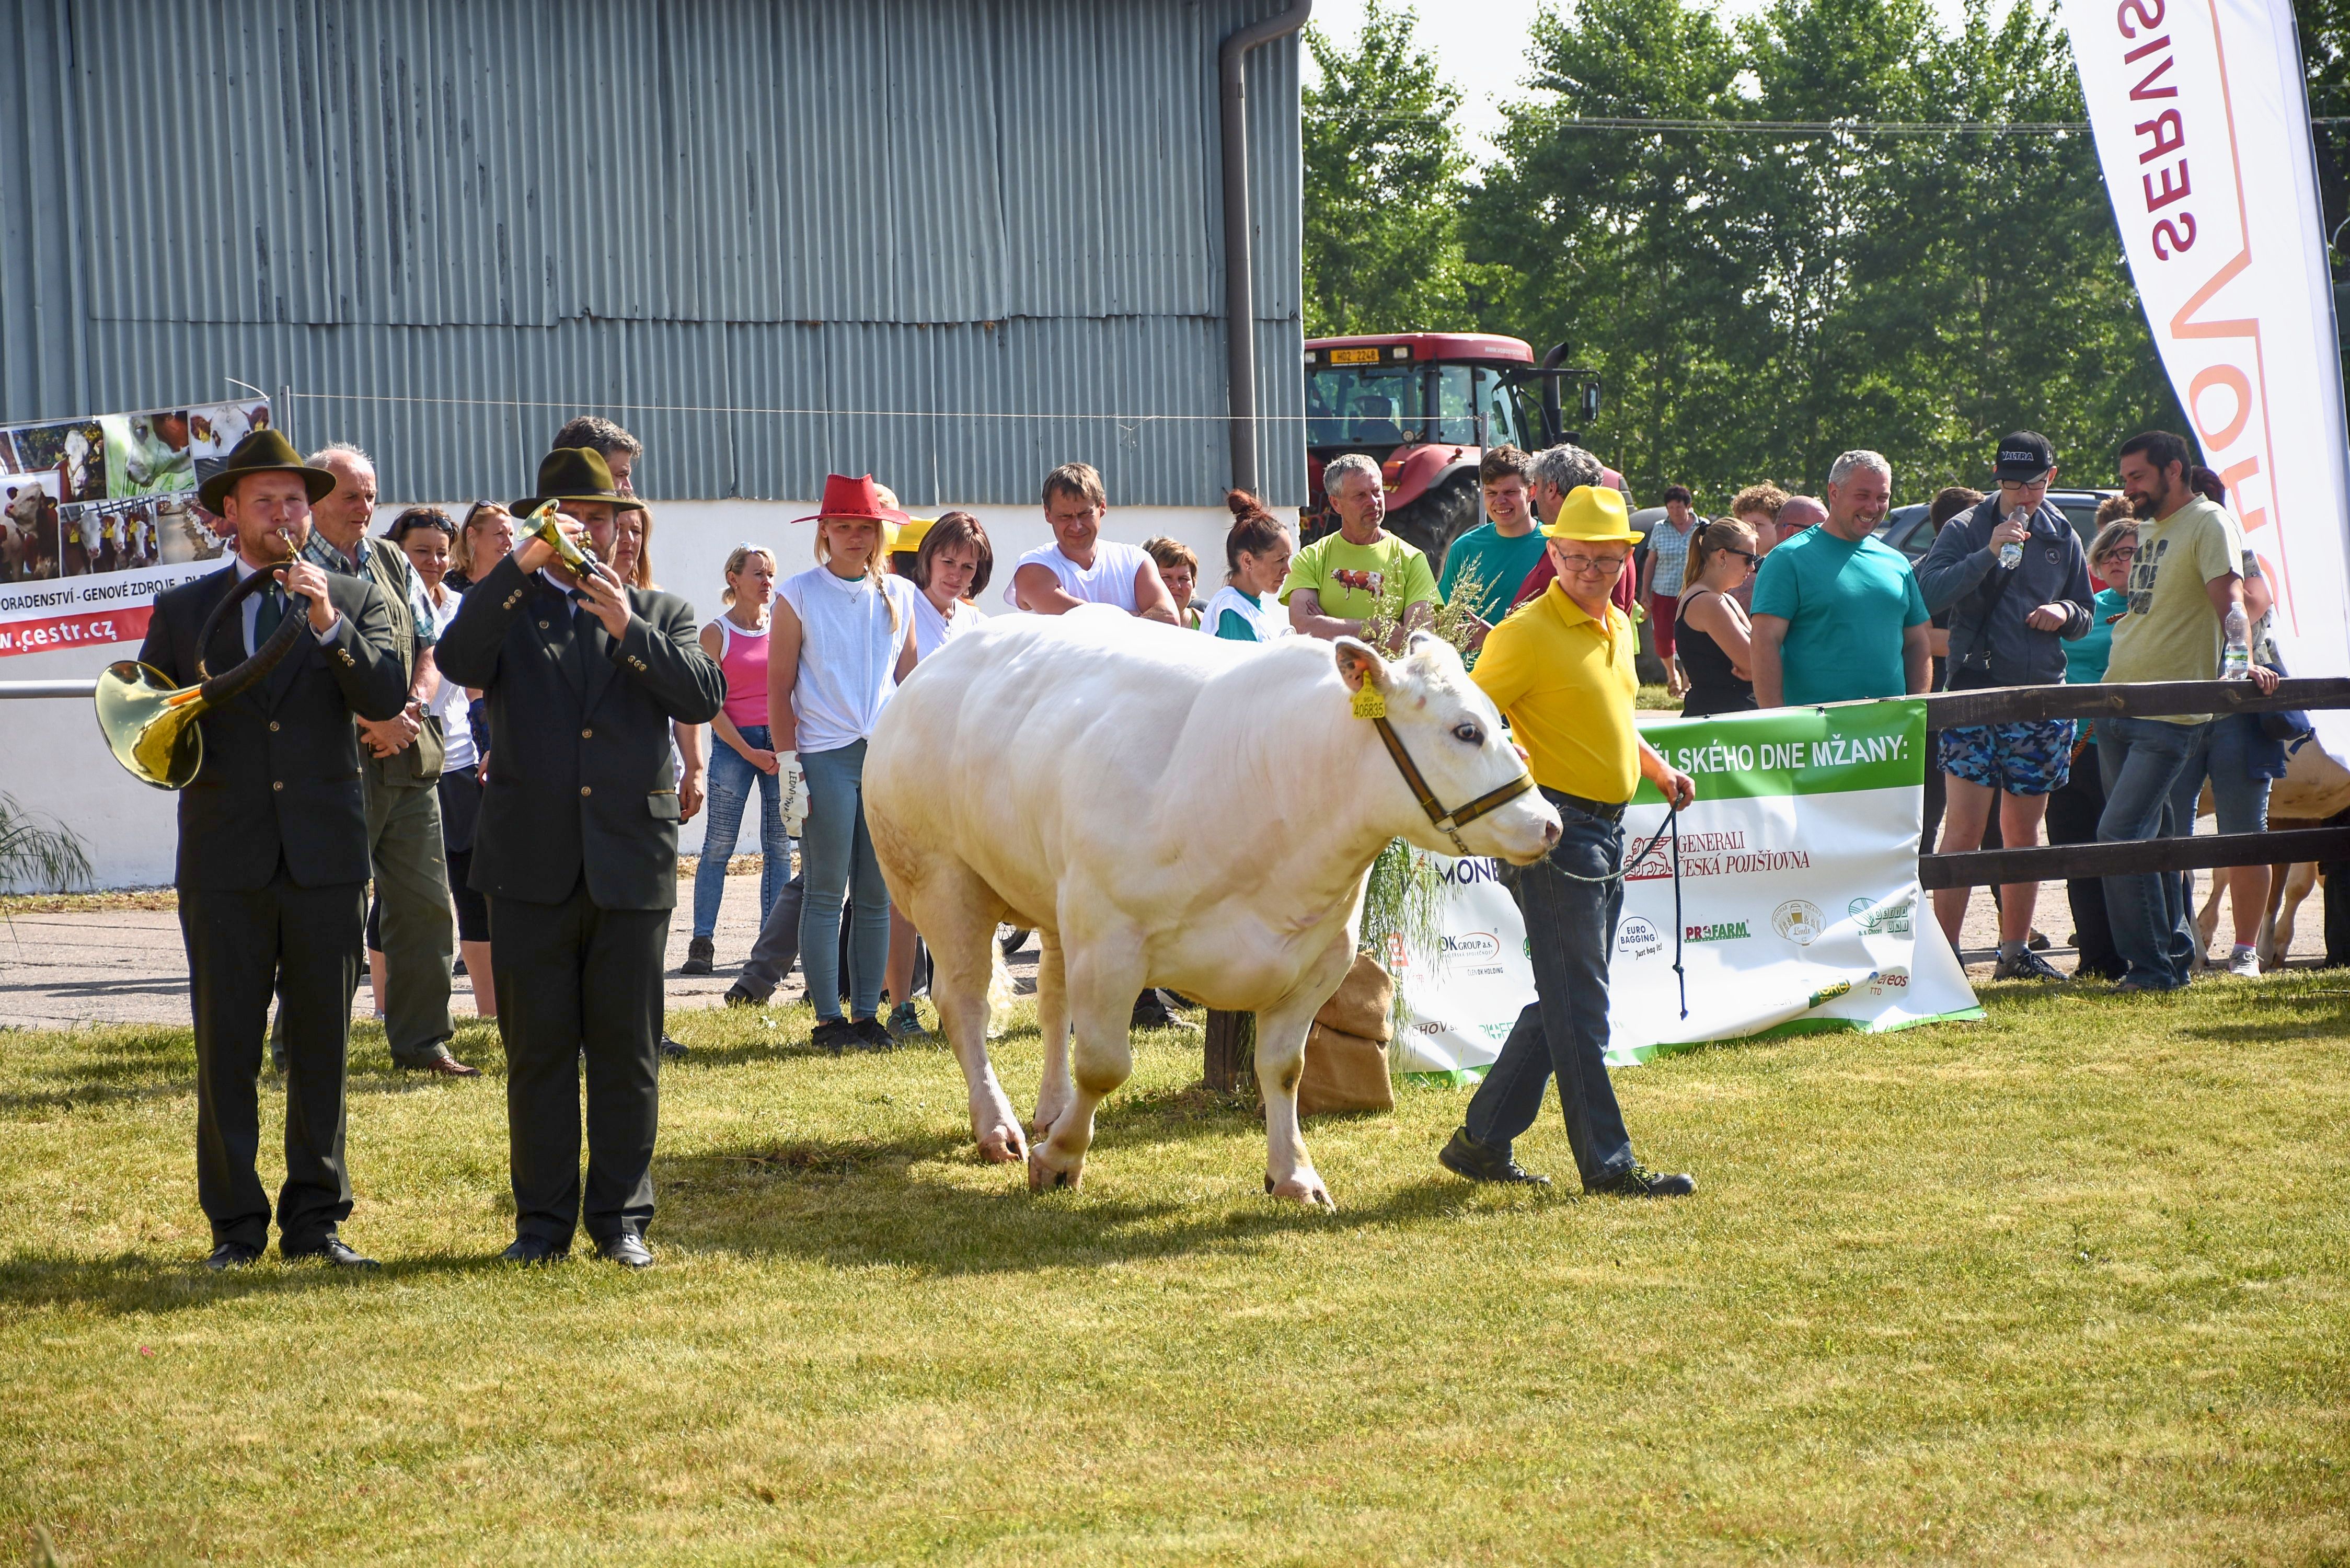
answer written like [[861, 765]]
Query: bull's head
[[1453, 735]]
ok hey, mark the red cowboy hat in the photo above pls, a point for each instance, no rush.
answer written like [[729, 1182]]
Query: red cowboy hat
[[847, 497]]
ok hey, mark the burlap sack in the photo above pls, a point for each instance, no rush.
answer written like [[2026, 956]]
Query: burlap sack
[[1364, 1003], [1343, 1072]]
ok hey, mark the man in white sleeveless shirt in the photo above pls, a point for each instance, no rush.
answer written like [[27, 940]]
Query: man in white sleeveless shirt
[[1080, 567]]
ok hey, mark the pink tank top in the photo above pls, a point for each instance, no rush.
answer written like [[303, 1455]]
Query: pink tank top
[[744, 661]]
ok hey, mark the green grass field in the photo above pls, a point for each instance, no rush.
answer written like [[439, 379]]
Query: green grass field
[[2065, 1286]]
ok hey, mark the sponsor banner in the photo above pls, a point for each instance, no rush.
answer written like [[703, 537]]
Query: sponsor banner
[[2201, 117], [1797, 907], [91, 508]]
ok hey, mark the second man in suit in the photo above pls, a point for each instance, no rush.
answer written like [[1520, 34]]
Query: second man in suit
[[576, 851]]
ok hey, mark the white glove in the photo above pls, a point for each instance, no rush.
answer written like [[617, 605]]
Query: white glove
[[793, 779]]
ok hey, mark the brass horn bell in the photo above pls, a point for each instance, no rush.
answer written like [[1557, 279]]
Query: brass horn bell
[[541, 524], [151, 725]]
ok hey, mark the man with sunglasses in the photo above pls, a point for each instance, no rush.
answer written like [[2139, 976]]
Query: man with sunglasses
[[2014, 576], [1562, 670]]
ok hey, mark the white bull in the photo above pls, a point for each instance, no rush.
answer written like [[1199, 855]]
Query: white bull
[[1165, 809]]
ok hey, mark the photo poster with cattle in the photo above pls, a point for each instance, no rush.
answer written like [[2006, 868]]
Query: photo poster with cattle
[[98, 516], [1798, 905]]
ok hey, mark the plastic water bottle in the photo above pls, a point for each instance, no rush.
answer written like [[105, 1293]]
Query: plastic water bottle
[[2236, 659], [2010, 554]]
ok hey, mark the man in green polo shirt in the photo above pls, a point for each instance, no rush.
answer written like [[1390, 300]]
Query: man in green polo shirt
[[1561, 672], [1837, 613], [1336, 582]]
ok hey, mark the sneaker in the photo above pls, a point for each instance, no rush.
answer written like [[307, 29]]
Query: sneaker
[[834, 1034], [701, 953], [1464, 1156], [2025, 965], [904, 1022], [2245, 961], [738, 997], [872, 1034], [1641, 1182], [1152, 1011]]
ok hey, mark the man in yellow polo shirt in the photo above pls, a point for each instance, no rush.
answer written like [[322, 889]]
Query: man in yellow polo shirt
[[1560, 669]]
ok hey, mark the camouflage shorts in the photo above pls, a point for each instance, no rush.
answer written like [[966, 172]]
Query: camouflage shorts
[[2032, 758]]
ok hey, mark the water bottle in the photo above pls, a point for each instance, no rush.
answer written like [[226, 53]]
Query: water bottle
[[2010, 554], [2236, 660]]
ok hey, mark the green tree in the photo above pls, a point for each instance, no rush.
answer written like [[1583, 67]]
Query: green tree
[[1385, 177]]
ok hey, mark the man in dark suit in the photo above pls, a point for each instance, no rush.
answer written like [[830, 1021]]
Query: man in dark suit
[[575, 849], [273, 861]]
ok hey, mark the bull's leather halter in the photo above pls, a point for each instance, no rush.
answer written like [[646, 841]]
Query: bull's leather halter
[[1448, 823]]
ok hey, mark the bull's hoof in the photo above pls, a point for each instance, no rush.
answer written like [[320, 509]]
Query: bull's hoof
[[1044, 1176], [1303, 1187]]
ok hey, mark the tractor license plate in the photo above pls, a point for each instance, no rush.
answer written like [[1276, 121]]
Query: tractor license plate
[[1353, 356]]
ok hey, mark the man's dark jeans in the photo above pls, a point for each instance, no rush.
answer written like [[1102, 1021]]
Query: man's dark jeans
[[2144, 762], [1570, 929]]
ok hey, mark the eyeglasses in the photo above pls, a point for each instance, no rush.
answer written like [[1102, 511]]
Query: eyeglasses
[[1587, 565]]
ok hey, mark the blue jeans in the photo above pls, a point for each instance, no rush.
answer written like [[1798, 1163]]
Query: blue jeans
[[836, 856], [732, 779], [2152, 769], [1563, 1033]]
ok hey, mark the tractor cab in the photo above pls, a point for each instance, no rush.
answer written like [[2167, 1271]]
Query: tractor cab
[[1426, 405]]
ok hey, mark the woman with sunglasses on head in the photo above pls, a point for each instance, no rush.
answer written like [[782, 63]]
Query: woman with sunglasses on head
[[484, 538], [1711, 635]]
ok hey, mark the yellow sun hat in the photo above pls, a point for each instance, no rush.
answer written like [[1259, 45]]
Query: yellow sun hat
[[909, 535], [1594, 515]]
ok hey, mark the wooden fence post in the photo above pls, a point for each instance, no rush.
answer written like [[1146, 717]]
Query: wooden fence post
[[1229, 1037]]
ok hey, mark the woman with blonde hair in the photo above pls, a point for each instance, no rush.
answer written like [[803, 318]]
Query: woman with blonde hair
[[842, 640], [484, 539], [1712, 633], [744, 758]]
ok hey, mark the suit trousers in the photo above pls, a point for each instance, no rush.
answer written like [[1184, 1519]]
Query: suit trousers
[[411, 884], [1572, 900], [574, 977], [303, 944]]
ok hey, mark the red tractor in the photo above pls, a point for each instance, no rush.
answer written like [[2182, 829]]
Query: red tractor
[[1426, 405]]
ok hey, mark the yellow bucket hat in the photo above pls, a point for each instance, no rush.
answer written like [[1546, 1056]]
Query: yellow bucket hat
[[1594, 515]]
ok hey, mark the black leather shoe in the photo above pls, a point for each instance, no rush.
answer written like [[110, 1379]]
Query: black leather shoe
[[330, 1251], [626, 1251], [232, 1255], [1152, 1011], [738, 997], [1464, 1156], [533, 1250], [700, 954], [670, 1048], [1641, 1182]]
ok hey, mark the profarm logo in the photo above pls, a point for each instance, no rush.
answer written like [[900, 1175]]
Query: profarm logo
[[1718, 932], [1638, 937]]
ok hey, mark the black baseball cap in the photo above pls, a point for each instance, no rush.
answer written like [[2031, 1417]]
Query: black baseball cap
[[2025, 455]]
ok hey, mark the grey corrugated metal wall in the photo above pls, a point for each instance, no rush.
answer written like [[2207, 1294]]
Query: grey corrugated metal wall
[[998, 219]]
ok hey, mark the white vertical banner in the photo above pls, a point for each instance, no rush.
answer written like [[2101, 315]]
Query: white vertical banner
[[2201, 117]]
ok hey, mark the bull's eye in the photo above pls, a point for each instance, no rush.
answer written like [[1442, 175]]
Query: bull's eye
[[1467, 733]]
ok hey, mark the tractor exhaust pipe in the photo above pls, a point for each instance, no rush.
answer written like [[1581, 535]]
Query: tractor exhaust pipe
[[1240, 296]]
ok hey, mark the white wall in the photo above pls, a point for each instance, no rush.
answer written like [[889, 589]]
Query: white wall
[[55, 765]]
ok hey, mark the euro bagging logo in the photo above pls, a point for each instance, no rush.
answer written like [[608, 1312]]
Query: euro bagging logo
[[1638, 937], [1718, 932], [1799, 920], [1873, 917]]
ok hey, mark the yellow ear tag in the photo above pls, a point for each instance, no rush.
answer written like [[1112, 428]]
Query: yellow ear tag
[[1368, 702]]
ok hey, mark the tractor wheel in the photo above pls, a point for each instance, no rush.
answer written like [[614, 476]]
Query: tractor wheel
[[1441, 516]]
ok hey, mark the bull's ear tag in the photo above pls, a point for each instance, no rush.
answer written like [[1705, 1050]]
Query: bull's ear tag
[[1368, 702]]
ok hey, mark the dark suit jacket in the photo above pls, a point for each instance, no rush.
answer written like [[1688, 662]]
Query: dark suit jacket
[[281, 773], [581, 775]]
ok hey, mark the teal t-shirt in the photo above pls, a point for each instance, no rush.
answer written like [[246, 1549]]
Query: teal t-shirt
[[1845, 605], [1502, 566], [2085, 657]]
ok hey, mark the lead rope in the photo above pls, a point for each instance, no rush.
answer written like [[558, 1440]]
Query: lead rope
[[1671, 829]]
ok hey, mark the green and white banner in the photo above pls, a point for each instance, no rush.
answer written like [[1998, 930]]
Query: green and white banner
[[1798, 905]]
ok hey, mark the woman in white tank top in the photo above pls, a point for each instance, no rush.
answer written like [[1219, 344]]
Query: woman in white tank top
[[842, 638]]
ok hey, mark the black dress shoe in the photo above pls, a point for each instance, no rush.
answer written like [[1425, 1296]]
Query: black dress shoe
[[1464, 1156], [1641, 1182], [232, 1255], [330, 1251], [670, 1048], [533, 1250], [626, 1251], [738, 997]]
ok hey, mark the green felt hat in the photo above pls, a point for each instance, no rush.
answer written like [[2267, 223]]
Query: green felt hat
[[576, 474]]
